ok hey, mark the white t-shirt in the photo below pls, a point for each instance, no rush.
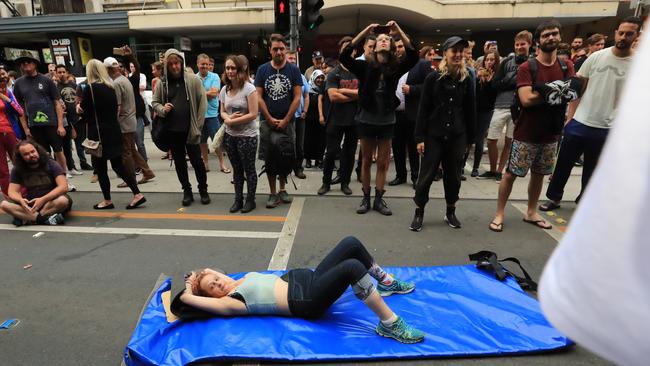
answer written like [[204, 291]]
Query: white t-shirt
[[606, 74], [399, 93], [595, 288], [239, 101]]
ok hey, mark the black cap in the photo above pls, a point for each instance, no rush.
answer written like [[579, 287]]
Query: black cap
[[317, 54], [452, 41]]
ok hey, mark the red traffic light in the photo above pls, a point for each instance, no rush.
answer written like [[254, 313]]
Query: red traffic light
[[281, 7]]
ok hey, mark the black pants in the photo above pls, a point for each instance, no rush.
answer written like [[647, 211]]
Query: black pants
[[179, 147], [482, 124], [572, 147], [300, 142], [312, 293], [450, 152], [66, 144], [81, 136], [101, 168], [403, 143], [336, 134], [241, 152]]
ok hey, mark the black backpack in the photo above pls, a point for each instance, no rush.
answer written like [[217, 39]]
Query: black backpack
[[280, 157], [515, 108]]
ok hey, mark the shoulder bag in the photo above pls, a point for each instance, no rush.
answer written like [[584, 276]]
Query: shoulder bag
[[92, 147]]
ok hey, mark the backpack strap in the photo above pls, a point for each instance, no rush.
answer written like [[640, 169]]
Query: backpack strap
[[565, 68], [525, 282], [487, 261], [532, 67]]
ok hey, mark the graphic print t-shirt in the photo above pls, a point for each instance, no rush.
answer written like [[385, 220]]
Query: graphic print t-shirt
[[68, 93], [38, 182], [278, 87], [342, 114], [37, 94]]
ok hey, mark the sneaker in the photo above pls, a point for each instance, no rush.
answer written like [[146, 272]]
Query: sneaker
[[418, 218], [205, 197], [397, 287], [285, 197], [487, 175], [452, 220], [400, 331], [474, 173], [86, 166], [56, 219], [68, 175], [498, 177], [75, 172], [17, 222], [438, 175], [71, 188], [273, 201], [323, 189], [463, 178], [300, 174], [188, 197]]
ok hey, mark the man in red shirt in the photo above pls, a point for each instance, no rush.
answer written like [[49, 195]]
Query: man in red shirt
[[539, 124]]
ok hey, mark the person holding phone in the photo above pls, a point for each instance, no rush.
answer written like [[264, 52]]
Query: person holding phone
[[238, 108], [378, 76]]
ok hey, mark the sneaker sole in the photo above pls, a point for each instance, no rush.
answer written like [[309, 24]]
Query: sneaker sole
[[450, 225], [407, 341], [417, 230]]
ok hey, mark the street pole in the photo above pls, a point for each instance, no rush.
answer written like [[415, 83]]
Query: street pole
[[293, 30]]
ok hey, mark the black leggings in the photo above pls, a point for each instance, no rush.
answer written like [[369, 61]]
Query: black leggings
[[311, 293], [179, 147], [101, 168]]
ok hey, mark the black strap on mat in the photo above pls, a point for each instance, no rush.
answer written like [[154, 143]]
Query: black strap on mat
[[488, 261]]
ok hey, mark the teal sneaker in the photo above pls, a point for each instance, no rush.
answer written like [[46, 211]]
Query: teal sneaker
[[397, 287], [400, 331]]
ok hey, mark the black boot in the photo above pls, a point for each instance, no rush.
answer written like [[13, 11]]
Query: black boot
[[365, 203], [249, 205], [451, 219], [380, 205], [205, 197], [188, 198], [238, 205], [323, 189]]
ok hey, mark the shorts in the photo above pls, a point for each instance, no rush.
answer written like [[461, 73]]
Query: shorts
[[538, 158], [210, 128], [501, 118], [47, 137], [69, 208], [379, 132]]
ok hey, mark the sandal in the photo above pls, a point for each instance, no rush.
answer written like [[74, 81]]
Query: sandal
[[496, 227], [549, 206], [539, 223], [225, 170]]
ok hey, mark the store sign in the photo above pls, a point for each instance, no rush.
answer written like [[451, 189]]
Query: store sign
[[61, 51], [186, 43], [11, 54]]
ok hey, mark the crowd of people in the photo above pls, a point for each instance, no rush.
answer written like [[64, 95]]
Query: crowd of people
[[552, 103]]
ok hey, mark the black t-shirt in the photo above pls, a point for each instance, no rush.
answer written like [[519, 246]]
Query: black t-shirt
[[40, 181], [178, 119], [278, 87], [37, 95], [68, 93], [341, 114]]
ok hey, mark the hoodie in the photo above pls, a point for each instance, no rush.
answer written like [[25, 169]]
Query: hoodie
[[196, 98]]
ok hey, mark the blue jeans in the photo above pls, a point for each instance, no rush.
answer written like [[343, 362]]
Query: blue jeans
[[139, 141]]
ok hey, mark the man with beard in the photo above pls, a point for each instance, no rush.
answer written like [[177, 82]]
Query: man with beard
[[590, 118], [68, 90], [576, 44], [538, 126], [44, 185]]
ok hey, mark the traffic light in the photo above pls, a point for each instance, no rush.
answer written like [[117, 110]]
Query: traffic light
[[282, 16], [311, 17]]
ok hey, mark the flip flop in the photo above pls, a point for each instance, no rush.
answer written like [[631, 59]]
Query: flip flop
[[498, 227], [539, 223], [225, 170]]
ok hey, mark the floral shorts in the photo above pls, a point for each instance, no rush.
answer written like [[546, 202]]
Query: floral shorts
[[538, 158]]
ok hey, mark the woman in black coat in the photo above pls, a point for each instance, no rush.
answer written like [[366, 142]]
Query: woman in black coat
[[444, 126], [99, 111]]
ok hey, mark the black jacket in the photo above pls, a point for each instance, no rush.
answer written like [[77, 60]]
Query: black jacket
[[447, 108], [369, 78], [415, 80]]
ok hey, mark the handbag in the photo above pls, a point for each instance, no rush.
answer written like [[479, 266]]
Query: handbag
[[92, 147], [159, 133], [218, 137]]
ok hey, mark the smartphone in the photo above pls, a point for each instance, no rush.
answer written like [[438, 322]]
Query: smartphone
[[381, 29], [236, 110], [118, 51]]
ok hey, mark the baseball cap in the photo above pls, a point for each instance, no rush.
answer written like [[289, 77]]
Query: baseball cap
[[111, 62], [452, 41], [317, 54]]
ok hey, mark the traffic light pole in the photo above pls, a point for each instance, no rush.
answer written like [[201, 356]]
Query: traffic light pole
[[294, 29]]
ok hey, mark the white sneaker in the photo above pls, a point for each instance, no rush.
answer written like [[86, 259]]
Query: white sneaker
[[75, 172], [68, 175], [71, 188]]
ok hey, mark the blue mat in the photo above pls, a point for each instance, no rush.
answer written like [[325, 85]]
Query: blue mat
[[463, 311]]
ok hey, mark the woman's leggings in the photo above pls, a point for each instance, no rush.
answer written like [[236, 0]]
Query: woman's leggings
[[241, 152], [101, 167], [348, 264]]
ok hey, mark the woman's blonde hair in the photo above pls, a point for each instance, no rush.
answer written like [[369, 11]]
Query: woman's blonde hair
[[96, 73], [443, 69]]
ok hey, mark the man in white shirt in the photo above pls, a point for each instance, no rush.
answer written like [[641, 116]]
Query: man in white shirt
[[590, 118]]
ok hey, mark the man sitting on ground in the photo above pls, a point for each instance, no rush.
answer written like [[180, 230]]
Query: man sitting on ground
[[45, 186]]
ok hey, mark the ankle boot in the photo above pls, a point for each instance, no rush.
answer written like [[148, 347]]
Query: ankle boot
[[451, 219], [188, 197], [416, 224], [237, 205], [365, 203], [205, 197], [379, 204], [249, 205]]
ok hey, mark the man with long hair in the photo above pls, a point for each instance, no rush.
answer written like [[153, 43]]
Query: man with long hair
[[45, 185]]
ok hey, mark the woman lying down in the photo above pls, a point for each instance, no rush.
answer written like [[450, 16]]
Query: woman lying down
[[305, 293]]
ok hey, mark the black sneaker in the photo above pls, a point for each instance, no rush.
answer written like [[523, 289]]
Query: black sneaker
[[308, 164], [397, 181], [498, 177], [323, 189], [85, 166], [205, 197], [474, 173], [188, 198], [451, 219], [487, 175], [56, 219], [336, 180], [346, 189], [416, 224], [463, 178]]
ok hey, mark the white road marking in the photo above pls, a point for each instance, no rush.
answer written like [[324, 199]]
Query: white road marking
[[144, 231], [282, 251], [554, 232]]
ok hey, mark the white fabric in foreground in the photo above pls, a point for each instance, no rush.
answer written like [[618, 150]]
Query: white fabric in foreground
[[596, 286]]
